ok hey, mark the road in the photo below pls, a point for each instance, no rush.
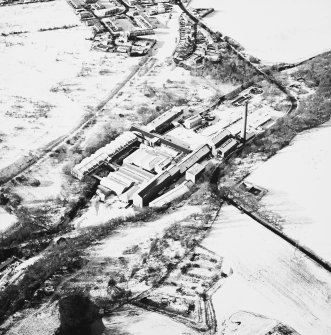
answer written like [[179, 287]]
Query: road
[[269, 77]]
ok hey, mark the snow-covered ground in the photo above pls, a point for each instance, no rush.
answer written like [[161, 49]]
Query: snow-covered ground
[[274, 30], [6, 220], [270, 277], [299, 182], [132, 235], [135, 321], [49, 79]]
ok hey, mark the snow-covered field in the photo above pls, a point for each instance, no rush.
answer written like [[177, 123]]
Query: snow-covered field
[[274, 30], [49, 79], [127, 237], [270, 277], [6, 220], [143, 322], [32, 17], [299, 182]]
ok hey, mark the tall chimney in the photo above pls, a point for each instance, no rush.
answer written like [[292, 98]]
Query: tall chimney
[[243, 132]]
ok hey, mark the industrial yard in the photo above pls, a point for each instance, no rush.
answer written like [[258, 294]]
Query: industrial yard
[[138, 192]]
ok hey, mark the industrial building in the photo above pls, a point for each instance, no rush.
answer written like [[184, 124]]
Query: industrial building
[[228, 147], [193, 121], [172, 195], [144, 158], [170, 143], [193, 158], [194, 172], [145, 162], [117, 185], [151, 189], [164, 119], [217, 139], [104, 155]]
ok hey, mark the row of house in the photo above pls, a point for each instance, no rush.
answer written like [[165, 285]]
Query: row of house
[[187, 36]]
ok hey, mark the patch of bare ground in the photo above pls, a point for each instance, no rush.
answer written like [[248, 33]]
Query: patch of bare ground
[[245, 323]]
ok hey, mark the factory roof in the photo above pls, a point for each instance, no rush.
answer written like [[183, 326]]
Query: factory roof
[[115, 185], [228, 146], [137, 170], [218, 138], [193, 118], [146, 159], [165, 117], [171, 195], [193, 157], [195, 169]]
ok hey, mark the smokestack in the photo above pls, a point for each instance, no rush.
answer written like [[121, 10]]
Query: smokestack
[[243, 132]]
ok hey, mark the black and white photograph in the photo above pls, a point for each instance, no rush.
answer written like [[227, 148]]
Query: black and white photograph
[[165, 167]]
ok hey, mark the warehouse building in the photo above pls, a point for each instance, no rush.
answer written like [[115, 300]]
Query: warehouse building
[[193, 121], [144, 158], [114, 184], [171, 144], [165, 118], [228, 147], [217, 139], [140, 173], [194, 172], [150, 190], [105, 154], [163, 164], [153, 187], [194, 157], [172, 195]]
